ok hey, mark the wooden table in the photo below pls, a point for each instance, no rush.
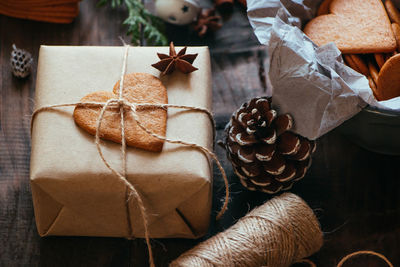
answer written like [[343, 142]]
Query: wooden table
[[354, 192]]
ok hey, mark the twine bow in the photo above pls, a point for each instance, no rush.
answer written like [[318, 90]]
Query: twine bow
[[122, 104]]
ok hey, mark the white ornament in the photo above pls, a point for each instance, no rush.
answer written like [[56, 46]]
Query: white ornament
[[178, 12]]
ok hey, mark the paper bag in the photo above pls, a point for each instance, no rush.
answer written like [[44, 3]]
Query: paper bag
[[311, 83]]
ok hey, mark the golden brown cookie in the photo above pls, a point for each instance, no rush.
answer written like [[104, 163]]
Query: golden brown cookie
[[324, 8], [349, 61], [138, 88], [360, 64], [392, 11], [389, 79], [373, 71], [396, 32], [373, 86], [355, 26], [380, 59]]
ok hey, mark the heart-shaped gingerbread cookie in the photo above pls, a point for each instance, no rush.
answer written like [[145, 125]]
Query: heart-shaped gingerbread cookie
[[355, 26], [138, 88]]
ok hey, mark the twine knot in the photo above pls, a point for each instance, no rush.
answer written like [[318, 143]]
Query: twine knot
[[118, 103], [122, 103]]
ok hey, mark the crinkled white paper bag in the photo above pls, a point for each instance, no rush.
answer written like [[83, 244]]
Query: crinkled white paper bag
[[311, 83]]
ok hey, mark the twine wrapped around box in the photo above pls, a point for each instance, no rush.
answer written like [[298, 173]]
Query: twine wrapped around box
[[123, 104]]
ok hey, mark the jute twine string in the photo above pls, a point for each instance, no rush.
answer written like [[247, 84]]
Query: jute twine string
[[364, 252], [279, 233], [282, 232], [350, 256], [123, 104]]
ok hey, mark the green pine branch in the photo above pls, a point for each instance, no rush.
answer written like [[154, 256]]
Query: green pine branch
[[140, 18]]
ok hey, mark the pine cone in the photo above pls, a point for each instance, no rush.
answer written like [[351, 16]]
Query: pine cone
[[21, 62], [265, 155]]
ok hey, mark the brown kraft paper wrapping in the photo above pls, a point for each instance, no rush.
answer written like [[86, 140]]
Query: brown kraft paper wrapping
[[74, 194]]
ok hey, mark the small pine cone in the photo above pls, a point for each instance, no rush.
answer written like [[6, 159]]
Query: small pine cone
[[265, 155], [21, 62]]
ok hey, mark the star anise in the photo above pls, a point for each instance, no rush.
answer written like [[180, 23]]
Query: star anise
[[181, 61], [206, 21]]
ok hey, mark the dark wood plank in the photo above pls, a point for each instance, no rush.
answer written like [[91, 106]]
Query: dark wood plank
[[20, 243], [354, 191]]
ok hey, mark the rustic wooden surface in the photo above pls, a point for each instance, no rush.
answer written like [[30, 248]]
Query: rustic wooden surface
[[354, 192]]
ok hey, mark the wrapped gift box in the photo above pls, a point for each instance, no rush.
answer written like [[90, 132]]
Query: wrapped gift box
[[75, 194]]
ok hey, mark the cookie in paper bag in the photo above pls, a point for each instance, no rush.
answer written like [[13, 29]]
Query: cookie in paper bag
[[355, 26], [388, 85]]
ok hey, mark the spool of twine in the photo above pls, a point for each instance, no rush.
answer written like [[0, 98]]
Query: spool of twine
[[279, 233]]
